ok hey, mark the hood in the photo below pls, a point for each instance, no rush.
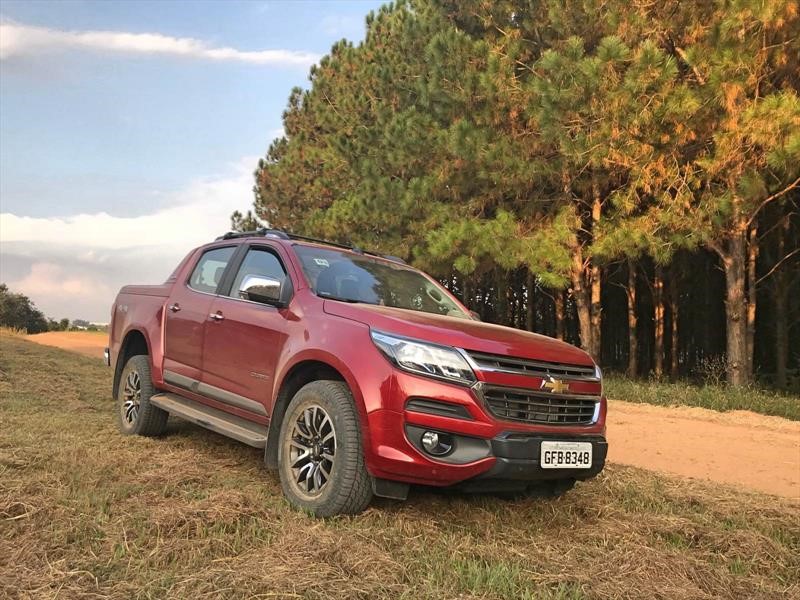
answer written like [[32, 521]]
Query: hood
[[461, 333]]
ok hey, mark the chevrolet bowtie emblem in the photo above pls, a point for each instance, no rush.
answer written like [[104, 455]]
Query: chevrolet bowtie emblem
[[555, 385]]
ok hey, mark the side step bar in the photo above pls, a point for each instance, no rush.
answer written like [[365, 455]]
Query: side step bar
[[247, 432]]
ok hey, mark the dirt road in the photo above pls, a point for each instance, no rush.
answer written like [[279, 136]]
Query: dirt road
[[90, 343], [739, 448]]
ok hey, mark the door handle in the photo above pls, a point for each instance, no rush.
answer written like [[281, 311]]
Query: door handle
[[216, 316], [174, 307]]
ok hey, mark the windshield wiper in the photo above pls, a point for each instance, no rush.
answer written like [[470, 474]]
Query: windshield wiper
[[339, 299]]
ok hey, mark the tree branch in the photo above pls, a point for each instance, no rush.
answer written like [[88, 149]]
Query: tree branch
[[718, 249], [780, 223], [682, 53], [774, 196], [776, 265], [625, 288]]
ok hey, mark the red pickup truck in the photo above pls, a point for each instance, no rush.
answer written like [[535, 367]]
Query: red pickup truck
[[356, 373]]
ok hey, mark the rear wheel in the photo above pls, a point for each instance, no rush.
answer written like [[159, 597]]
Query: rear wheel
[[135, 414], [320, 455]]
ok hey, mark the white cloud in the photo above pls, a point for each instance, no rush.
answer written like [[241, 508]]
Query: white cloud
[[73, 266], [49, 279], [17, 39], [191, 216]]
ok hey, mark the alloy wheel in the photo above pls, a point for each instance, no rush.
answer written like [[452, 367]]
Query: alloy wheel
[[312, 449], [131, 397]]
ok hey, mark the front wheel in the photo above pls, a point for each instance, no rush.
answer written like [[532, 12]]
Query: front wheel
[[320, 455], [135, 414]]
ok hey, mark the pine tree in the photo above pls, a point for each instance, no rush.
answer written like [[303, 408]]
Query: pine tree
[[516, 149], [245, 222]]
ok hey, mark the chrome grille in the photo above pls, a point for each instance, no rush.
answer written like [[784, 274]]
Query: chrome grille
[[543, 408], [533, 368]]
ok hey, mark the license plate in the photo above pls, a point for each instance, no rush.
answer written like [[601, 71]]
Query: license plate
[[566, 455]]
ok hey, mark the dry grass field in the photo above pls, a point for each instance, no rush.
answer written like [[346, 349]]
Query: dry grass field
[[87, 513]]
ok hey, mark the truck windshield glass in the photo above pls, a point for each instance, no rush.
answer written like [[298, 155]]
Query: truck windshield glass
[[349, 277]]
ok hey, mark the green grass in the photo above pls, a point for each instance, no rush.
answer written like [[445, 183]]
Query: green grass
[[714, 397], [88, 513]]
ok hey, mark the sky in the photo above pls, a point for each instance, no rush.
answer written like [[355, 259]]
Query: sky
[[129, 131]]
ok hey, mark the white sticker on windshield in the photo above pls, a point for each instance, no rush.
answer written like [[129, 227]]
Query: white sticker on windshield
[[322, 262]]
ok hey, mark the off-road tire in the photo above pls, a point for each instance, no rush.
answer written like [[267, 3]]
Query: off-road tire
[[150, 420], [349, 487]]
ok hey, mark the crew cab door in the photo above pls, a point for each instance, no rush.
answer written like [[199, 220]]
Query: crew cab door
[[244, 339], [187, 313]]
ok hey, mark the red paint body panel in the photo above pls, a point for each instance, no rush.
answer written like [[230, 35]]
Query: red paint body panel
[[184, 331], [241, 352], [461, 333], [249, 352]]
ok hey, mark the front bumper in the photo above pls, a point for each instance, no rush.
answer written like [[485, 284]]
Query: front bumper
[[516, 457], [517, 461], [487, 450]]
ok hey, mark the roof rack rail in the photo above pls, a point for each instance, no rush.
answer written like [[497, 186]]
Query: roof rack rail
[[285, 235], [263, 232], [393, 258], [304, 238]]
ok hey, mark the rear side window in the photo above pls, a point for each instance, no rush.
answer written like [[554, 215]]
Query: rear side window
[[261, 263], [207, 275], [174, 275]]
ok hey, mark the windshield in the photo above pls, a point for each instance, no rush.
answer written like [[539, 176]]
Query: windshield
[[349, 277]]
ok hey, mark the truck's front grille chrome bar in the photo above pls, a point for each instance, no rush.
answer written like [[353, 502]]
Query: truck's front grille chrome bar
[[540, 408], [532, 368]]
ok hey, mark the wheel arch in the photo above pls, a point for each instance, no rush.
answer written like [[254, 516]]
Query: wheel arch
[[299, 374], [133, 344]]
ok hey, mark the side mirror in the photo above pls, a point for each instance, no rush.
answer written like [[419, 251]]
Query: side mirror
[[475, 315], [266, 290]]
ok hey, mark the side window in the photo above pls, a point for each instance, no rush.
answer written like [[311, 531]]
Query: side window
[[260, 262], [208, 272]]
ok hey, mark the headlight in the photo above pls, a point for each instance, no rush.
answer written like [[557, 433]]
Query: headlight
[[599, 374], [422, 358]]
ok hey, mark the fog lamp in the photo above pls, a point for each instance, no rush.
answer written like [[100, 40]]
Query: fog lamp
[[437, 444]]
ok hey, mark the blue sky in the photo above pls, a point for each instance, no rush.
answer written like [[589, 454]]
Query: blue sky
[[129, 131]]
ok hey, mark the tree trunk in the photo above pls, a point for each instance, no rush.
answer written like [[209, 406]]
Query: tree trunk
[[781, 325], [530, 303], [466, 292], [594, 312], [582, 299], [558, 300], [780, 290], [633, 342], [511, 299], [734, 261], [582, 306], [658, 315], [580, 293], [594, 274], [485, 306], [514, 300], [708, 306], [673, 308], [752, 257], [501, 296]]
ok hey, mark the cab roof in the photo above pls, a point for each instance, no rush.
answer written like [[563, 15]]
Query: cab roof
[[280, 234]]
